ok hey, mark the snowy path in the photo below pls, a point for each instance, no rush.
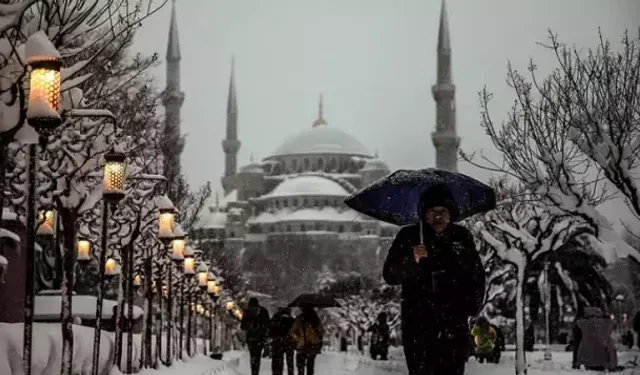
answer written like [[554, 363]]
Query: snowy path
[[338, 364]]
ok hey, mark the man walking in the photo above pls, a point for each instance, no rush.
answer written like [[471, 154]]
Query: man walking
[[282, 346], [442, 281], [256, 325]]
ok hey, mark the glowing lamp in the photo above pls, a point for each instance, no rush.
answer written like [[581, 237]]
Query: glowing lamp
[[212, 288], [238, 314], [189, 267], [200, 309], [177, 249], [111, 267], [137, 281], [230, 305], [43, 112], [203, 275], [83, 247], [47, 220], [113, 177]]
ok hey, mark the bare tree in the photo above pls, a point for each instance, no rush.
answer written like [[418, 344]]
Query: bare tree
[[572, 135]]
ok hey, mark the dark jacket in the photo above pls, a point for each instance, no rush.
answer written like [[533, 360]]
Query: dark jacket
[[379, 335], [256, 325], [445, 288], [280, 326]]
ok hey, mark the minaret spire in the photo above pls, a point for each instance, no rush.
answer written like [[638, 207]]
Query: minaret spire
[[231, 144], [445, 139], [320, 120], [172, 99]]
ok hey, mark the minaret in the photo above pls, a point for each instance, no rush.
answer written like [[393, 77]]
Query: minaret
[[231, 144], [320, 121], [172, 99], [445, 139]]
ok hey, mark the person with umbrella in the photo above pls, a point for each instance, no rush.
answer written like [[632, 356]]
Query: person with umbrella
[[256, 325], [433, 259], [442, 281]]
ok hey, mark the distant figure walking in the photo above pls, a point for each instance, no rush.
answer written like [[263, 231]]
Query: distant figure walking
[[379, 345], [256, 325], [596, 348], [307, 332], [484, 339], [282, 345]]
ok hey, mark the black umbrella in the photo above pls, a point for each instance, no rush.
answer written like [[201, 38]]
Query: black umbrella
[[314, 300]]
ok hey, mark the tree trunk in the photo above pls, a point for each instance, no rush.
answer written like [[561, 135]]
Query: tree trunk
[[129, 319], [555, 316], [521, 361], [117, 359], [181, 340], [189, 323], [169, 313], [68, 268]]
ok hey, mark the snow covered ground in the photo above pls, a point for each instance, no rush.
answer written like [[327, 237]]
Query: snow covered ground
[[332, 363]]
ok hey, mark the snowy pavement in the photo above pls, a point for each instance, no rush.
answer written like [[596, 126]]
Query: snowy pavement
[[340, 364]]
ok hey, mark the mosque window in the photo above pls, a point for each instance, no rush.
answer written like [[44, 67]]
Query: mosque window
[[288, 228], [285, 203], [295, 202], [232, 234], [294, 164], [357, 228], [303, 228], [340, 228], [318, 227], [327, 203], [305, 202], [307, 164], [272, 229], [277, 203], [333, 164], [316, 202], [320, 164]]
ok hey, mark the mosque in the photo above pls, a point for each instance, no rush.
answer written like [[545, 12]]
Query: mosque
[[282, 218]]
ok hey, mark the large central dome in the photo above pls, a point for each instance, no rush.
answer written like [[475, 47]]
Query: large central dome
[[322, 139]]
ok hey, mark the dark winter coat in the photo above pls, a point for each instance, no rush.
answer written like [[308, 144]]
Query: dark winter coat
[[256, 325], [379, 336], [279, 329], [444, 289]]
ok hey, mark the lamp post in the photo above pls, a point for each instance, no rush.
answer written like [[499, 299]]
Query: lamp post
[[213, 290], [177, 248], [166, 225], [43, 114], [547, 310], [113, 178], [189, 272], [177, 257]]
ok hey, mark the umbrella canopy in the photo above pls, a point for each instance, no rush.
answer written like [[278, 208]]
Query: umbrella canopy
[[314, 300], [395, 198]]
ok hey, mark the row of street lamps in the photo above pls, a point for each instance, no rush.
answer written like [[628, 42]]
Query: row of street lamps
[[44, 114]]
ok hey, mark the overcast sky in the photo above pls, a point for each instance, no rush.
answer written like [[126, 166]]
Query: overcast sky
[[374, 60]]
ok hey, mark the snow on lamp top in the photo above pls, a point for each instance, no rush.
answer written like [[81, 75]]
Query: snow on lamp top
[[165, 204], [189, 252], [43, 112], [114, 176]]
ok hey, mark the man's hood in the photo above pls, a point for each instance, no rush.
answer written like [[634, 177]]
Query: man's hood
[[437, 195]]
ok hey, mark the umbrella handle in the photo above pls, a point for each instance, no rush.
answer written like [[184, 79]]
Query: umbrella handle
[[421, 234]]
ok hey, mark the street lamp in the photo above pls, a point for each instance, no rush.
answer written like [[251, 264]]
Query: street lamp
[[189, 267], [47, 221], [43, 113], [166, 220], [83, 248], [114, 175], [137, 281], [230, 305], [178, 244], [111, 268], [203, 275]]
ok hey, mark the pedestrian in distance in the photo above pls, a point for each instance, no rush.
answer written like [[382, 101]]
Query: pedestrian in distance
[[255, 323], [282, 345]]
